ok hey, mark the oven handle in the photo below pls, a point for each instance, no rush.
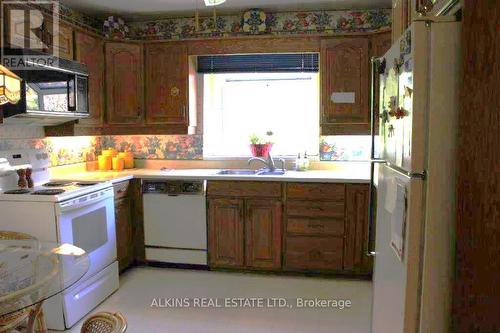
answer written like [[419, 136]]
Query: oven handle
[[84, 201]]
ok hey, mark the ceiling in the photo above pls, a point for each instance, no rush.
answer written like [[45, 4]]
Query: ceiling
[[138, 8]]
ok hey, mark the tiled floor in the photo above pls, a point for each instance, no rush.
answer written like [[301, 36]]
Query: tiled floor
[[140, 286]]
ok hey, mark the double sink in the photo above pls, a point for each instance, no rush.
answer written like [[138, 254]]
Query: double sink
[[249, 172]]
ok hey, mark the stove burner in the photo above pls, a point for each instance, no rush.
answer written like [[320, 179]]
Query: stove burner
[[19, 191], [48, 192], [86, 184], [57, 184]]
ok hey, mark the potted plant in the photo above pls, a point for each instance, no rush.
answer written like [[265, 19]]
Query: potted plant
[[261, 147]]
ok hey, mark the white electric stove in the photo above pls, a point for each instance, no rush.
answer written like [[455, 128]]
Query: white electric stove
[[74, 212]]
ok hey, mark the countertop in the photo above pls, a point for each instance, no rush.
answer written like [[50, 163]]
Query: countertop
[[319, 176]]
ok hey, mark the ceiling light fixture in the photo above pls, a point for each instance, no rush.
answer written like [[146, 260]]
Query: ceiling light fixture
[[210, 3]]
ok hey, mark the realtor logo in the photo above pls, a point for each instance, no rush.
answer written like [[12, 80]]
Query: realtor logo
[[31, 33]]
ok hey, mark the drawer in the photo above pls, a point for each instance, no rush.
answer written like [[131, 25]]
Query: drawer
[[244, 189], [315, 208], [309, 226], [333, 192], [121, 189], [313, 253]]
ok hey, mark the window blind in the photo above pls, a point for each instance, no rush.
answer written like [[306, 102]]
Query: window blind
[[259, 63]]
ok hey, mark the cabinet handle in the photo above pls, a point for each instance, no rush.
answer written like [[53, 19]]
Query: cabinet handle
[[183, 111], [316, 226], [139, 113]]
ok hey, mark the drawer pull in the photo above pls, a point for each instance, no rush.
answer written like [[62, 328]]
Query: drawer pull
[[316, 226], [314, 254]]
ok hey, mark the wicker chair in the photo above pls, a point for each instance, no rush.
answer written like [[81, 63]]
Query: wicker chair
[[34, 314], [105, 322]]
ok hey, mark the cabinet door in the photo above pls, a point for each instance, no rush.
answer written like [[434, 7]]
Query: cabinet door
[[124, 83], [380, 44], [124, 239], [263, 233], [345, 83], [167, 84], [355, 258], [401, 17], [226, 234], [65, 42], [90, 51]]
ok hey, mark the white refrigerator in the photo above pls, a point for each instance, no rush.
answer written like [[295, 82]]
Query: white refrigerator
[[413, 184]]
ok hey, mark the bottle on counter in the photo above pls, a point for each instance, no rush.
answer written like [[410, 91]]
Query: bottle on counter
[[305, 162]]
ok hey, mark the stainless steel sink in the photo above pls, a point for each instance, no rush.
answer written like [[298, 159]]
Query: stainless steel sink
[[248, 172], [237, 172], [270, 173]]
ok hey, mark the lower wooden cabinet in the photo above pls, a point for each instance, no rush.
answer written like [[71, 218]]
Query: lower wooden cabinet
[[226, 232], [313, 228], [313, 253], [355, 258], [244, 232], [263, 233], [124, 228]]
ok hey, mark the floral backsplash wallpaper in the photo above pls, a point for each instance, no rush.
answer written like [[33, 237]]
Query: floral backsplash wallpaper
[[345, 148], [70, 150], [156, 147]]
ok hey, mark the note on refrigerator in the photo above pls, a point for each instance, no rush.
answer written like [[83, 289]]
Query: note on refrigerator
[[398, 221]]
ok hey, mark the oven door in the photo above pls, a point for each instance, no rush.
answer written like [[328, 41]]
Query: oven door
[[88, 222]]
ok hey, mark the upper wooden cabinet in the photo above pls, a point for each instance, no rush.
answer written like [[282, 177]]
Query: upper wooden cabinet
[[65, 44], [41, 38], [401, 16], [124, 83], [90, 51], [380, 44], [345, 86], [167, 84]]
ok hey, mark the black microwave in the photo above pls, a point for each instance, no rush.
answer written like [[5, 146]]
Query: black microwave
[[50, 90]]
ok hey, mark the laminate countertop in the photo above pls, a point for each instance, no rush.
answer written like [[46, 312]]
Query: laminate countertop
[[355, 175]]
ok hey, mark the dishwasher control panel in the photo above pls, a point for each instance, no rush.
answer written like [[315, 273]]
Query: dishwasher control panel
[[174, 187]]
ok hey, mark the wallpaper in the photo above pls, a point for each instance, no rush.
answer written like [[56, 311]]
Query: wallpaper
[[156, 147], [287, 23], [345, 148], [70, 150], [251, 22]]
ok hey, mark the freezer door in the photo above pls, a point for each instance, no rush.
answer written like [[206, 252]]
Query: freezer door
[[397, 252], [404, 100]]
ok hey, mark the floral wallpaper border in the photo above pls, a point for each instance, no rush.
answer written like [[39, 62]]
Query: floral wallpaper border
[[279, 23], [282, 23], [345, 148]]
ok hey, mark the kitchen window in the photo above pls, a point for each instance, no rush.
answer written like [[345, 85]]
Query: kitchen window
[[241, 97]]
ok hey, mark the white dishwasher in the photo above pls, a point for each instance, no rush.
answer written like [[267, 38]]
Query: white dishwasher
[[175, 223]]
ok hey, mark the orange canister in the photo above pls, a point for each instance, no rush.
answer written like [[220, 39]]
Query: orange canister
[[118, 163], [128, 158], [104, 162]]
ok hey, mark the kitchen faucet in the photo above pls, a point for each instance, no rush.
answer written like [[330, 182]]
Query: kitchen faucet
[[269, 163]]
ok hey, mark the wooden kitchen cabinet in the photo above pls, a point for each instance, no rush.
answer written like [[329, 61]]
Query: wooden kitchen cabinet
[[90, 51], [345, 86], [124, 227], [226, 232], [355, 258], [263, 233], [245, 223], [315, 227], [41, 38], [380, 44], [167, 84], [124, 83]]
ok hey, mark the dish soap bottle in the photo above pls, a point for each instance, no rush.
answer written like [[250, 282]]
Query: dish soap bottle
[[298, 163], [305, 162]]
